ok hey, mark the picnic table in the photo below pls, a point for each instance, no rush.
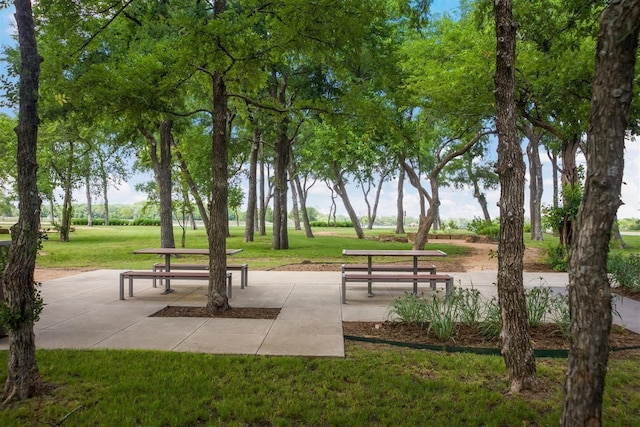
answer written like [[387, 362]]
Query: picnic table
[[168, 253], [392, 273]]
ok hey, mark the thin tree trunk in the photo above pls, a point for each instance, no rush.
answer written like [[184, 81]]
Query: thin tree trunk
[[303, 206], [87, 183], [193, 189], [400, 214], [589, 289], [250, 221], [162, 175], [263, 205], [516, 343], [23, 377], [165, 191], [340, 188]]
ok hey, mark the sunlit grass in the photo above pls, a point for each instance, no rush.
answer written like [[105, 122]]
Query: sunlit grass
[[111, 247], [369, 387]]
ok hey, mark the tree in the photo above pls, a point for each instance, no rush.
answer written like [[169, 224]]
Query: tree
[[22, 300], [516, 343], [589, 288]]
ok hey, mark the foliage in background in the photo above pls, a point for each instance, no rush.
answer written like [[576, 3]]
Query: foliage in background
[[484, 228]]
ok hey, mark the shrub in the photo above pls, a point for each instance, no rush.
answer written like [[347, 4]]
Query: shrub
[[484, 228], [624, 271], [144, 221], [557, 257], [409, 309]]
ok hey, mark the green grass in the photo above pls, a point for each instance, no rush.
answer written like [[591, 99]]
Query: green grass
[[369, 387], [111, 247]]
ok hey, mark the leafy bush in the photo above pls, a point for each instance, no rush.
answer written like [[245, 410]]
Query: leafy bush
[[624, 271], [539, 304], [340, 224], [143, 221], [557, 257], [484, 228], [409, 309], [470, 305], [491, 326]]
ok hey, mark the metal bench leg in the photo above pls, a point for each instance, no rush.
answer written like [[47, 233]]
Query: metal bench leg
[[344, 290], [130, 286], [449, 286], [121, 286], [155, 270], [244, 277], [229, 285]]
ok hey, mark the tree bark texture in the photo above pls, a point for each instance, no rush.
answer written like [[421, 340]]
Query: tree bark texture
[[252, 197], [23, 378], [218, 299], [589, 289], [516, 344], [281, 164], [167, 239], [536, 184], [67, 201], [280, 168]]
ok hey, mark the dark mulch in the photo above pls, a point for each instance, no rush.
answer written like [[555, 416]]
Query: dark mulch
[[543, 337], [627, 293], [233, 313]]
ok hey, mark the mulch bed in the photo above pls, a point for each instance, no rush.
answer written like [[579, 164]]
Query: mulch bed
[[233, 313]]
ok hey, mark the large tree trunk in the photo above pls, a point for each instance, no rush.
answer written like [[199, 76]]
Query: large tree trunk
[[280, 232], [252, 197], [23, 377], [217, 299], [516, 343], [399, 204], [589, 290]]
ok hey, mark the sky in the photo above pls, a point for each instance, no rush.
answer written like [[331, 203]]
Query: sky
[[456, 204]]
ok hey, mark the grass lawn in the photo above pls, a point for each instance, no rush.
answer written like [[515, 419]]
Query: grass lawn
[[111, 247], [371, 386]]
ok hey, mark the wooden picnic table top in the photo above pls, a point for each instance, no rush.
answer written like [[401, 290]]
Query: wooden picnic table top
[[393, 252]]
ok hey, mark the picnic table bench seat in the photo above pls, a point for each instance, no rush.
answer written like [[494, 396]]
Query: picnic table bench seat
[[397, 278], [389, 267], [242, 268], [146, 274]]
